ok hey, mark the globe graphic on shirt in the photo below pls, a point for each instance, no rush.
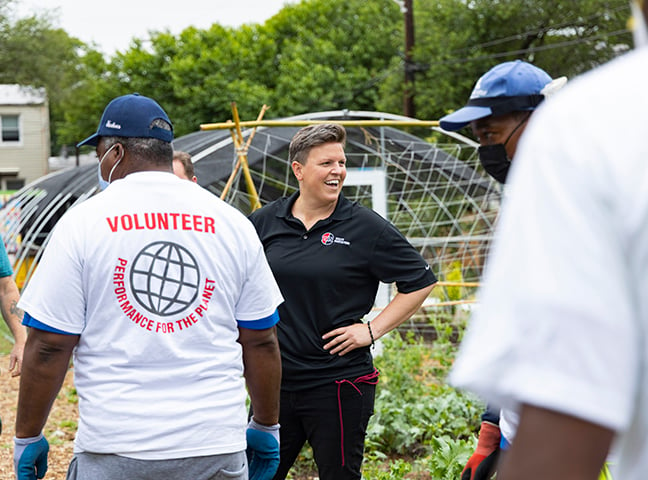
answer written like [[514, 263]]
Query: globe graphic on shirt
[[165, 278]]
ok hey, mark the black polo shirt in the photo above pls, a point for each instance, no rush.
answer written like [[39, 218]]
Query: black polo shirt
[[329, 277]]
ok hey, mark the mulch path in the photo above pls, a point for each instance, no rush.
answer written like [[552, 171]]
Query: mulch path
[[59, 429]]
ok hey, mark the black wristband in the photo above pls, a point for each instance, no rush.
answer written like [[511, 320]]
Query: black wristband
[[373, 344]]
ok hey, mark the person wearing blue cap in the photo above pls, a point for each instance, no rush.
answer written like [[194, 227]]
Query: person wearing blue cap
[[163, 293], [563, 307], [498, 111]]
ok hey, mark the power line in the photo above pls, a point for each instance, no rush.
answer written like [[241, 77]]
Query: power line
[[532, 49], [539, 31], [394, 69]]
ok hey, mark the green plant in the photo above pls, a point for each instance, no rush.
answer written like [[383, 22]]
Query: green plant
[[453, 274], [68, 425], [71, 395], [6, 339], [304, 466], [606, 474], [398, 469], [449, 457], [414, 405]]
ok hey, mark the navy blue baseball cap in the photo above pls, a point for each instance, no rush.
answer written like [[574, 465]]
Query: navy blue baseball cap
[[505, 88], [131, 116]]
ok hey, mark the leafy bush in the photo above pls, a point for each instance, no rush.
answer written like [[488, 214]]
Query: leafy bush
[[413, 402], [417, 415]]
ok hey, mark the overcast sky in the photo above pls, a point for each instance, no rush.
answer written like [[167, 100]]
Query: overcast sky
[[111, 25]]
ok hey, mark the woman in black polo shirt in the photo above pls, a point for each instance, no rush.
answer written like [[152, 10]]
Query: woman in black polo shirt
[[328, 256]]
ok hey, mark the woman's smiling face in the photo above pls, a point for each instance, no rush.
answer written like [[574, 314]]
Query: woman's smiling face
[[322, 175]]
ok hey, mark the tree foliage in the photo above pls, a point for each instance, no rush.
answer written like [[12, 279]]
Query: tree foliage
[[314, 55], [36, 53], [459, 40], [333, 54]]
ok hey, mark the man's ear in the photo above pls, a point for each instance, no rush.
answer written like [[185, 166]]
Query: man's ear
[[297, 170], [119, 152], [118, 148]]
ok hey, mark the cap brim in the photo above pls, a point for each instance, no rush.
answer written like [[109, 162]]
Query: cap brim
[[92, 140], [463, 117]]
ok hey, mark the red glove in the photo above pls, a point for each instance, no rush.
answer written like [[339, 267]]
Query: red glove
[[481, 465]]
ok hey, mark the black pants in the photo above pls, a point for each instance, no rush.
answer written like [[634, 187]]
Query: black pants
[[314, 416]]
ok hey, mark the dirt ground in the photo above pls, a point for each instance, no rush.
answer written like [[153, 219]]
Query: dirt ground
[[59, 429]]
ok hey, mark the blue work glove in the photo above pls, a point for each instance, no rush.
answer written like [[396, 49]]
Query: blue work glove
[[30, 457], [262, 450]]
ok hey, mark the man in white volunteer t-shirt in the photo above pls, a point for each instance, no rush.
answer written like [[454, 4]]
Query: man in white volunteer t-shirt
[[163, 293]]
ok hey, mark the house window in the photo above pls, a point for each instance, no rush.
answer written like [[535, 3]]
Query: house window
[[10, 128], [14, 183]]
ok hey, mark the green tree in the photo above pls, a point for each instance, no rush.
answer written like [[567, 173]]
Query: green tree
[[333, 54], [457, 41], [37, 53], [313, 55], [197, 74], [89, 87], [216, 67]]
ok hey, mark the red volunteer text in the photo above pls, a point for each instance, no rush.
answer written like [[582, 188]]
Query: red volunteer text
[[161, 221]]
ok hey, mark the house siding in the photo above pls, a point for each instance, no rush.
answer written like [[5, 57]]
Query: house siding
[[29, 155]]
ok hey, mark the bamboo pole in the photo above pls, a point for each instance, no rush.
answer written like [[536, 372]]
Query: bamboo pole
[[235, 170], [241, 153], [305, 123], [241, 150], [264, 108], [237, 121], [448, 303], [457, 284]]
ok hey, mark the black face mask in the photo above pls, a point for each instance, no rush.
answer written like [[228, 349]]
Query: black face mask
[[495, 161], [494, 158]]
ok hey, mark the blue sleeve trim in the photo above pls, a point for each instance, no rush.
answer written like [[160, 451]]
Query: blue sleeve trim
[[261, 323], [31, 322]]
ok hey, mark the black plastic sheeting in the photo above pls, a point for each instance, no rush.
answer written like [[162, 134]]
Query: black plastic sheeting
[[28, 218]]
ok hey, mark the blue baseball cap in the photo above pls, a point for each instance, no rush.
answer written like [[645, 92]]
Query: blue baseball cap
[[505, 88], [131, 116]]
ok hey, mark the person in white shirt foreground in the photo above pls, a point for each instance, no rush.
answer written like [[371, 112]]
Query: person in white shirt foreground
[[565, 343]]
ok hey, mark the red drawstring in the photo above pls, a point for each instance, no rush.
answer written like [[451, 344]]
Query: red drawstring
[[371, 379]]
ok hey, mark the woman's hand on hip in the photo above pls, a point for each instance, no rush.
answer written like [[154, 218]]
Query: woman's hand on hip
[[345, 339]]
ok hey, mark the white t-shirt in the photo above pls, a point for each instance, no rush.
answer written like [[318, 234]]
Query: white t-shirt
[[563, 315], [154, 273]]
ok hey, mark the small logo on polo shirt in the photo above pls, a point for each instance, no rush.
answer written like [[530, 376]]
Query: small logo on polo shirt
[[329, 239]]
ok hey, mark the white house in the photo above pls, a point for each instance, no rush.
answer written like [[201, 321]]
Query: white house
[[24, 135]]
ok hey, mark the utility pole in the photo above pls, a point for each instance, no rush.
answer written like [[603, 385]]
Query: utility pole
[[408, 94]]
